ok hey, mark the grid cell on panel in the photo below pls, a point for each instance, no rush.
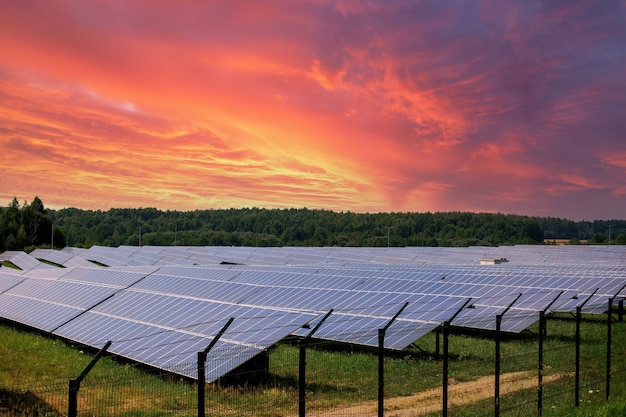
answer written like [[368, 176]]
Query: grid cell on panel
[[351, 329], [38, 314], [8, 281], [402, 333], [199, 288], [435, 309], [71, 294], [225, 357], [215, 273], [105, 276], [95, 330]]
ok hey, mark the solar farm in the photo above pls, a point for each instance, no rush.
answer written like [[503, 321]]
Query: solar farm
[[160, 306]]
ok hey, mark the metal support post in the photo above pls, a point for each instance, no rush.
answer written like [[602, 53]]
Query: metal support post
[[497, 371], [381, 362], [74, 385], [579, 310], [445, 333], [577, 357], [542, 327], [542, 336], [496, 396], [444, 386], [609, 320], [302, 366], [609, 323], [202, 368]]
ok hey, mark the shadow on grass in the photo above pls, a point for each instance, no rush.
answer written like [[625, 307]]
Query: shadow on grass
[[27, 404]]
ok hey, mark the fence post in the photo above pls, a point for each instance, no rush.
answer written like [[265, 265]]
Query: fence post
[[201, 368], [302, 379], [608, 348], [542, 327], [201, 382], [577, 358], [444, 385], [74, 385], [542, 336], [577, 361], [381, 372], [497, 372], [381, 362], [609, 338], [72, 402], [444, 382], [496, 396], [302, 366]]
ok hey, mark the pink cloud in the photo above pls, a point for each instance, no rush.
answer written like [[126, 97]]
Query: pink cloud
[[367, 106]]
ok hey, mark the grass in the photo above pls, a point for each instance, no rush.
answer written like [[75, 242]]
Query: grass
[[37, 369], [10, 264]]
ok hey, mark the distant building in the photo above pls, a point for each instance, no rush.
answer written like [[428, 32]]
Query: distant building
[[493, 261]]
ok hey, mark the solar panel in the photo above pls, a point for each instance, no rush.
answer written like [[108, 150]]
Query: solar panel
[[26, 262], [163, 314], [199, 288], [218, 273], [38, 314], [168, 349], [46, 304], [73, 294], [167, 331], [49, 273], [8, 281], [120, 278], [360, 326]]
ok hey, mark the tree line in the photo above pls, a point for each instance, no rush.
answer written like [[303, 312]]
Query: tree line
[[31, 225], [28, 226]]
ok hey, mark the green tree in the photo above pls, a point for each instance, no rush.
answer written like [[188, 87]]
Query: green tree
[[37, 225]]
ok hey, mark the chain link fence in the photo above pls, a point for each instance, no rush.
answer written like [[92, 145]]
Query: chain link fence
[[340, 379]]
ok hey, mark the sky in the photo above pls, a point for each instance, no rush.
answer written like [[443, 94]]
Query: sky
[[516, 107]]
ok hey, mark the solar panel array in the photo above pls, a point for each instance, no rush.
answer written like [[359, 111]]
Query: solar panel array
[[164, 330], [583, 255], [161, 305]]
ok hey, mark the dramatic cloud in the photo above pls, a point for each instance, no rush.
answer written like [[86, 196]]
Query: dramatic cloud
[[514, 107]]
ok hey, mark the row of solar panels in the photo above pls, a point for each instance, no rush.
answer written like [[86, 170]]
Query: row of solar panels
[[163, 315], [92, 307], [210, 255]]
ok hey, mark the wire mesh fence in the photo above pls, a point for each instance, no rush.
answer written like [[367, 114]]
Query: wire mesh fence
[[338, 379]]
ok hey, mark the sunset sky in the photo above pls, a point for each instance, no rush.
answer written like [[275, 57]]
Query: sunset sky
[[366, 106]]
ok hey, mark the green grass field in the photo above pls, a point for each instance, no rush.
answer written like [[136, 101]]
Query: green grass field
[[35, 370]]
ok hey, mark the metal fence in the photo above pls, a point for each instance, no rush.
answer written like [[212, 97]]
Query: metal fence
[[561, 363]]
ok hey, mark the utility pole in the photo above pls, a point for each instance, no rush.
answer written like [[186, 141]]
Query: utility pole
[[388, 231], [610, 226]]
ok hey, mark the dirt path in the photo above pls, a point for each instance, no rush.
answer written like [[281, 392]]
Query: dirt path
[[430, 401]]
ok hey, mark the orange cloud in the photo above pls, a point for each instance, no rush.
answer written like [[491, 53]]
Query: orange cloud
[[365, 106]]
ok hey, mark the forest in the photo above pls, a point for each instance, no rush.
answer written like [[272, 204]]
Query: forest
[[30, 225]]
